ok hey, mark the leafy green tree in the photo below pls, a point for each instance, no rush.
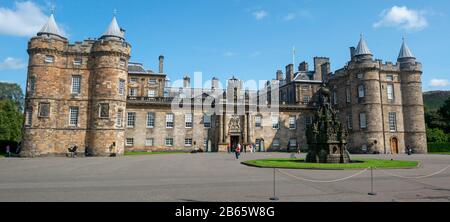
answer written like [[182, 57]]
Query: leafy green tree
[[13, 92], [11, 120], [436, 136]]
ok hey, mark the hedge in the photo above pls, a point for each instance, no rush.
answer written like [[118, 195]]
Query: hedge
[[438, 147]]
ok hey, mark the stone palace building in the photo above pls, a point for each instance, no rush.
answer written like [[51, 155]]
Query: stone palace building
[[88, 94]]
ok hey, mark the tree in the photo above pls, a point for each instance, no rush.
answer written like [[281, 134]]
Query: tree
[[436, 136], [11, 120], [12, 91], [444, 112]]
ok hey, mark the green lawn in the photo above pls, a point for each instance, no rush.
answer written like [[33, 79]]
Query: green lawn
[[359, 164], [150, 153], [2, 155]]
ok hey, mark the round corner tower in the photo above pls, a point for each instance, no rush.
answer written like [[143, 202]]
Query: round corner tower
[[109, 62], [412, 97], [43, 91]]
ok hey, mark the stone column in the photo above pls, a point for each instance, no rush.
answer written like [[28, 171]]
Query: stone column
[[220, 127], [245, 134]]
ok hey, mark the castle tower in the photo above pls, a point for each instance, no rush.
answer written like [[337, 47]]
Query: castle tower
[[413, 107], [44, 94], [367, 113], [109, 55]]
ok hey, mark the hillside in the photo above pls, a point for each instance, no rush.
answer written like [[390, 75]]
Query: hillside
[[435, 99]]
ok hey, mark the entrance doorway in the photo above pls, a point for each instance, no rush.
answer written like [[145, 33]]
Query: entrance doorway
[[234, 142], [394, 145]]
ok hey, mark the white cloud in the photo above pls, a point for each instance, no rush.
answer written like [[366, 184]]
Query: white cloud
[[229, 54], [255, 54], [290, 17], [26, 19], [259, 15], [12, 63], [402, 17], [440, 82]]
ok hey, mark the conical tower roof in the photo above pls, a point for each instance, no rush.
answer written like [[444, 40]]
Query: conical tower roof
[[50, 28], [405, 52], [362, 48], [114, 30]]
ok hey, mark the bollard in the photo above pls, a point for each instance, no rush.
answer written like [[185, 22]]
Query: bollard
[[274, 198], [372, 193]]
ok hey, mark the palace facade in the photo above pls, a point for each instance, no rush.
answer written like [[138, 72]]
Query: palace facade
[[88, 94]]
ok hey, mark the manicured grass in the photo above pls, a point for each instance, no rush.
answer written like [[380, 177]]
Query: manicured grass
[[150, 153], [358, 164]]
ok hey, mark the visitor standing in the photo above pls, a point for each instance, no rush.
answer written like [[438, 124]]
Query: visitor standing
[[238, 151], [8, 150]]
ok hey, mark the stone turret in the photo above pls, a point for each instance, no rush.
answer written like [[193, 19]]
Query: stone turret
[[413, 106], [108, 102]]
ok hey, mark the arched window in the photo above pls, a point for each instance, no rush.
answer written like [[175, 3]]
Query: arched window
[[361, 91]]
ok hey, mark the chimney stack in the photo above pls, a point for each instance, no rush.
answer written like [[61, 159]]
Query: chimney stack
[[289, 73], [186, 82], [303, 67], [214, 83], [280, 75], [161, 64], [352, 52]]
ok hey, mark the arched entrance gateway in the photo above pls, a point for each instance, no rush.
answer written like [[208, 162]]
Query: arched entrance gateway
[[394, 145], [235, 132]]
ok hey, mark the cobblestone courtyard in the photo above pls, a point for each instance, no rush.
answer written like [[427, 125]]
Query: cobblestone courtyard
[[208, 177]]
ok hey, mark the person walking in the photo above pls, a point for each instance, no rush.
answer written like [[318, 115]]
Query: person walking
[[238, 151], [8, 150]]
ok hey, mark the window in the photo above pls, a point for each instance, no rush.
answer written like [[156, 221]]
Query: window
[[292, 122], [389, 78], [29, 116], [77, 62], [152, 81], [390, 92], [149, 142], [187, 142], [276, 143], [258, 121], [119, 118], [362, 121], [133, 92], [130, 142], [359, 75], [169, 120], [292, 143], [121, 87], [44, 109], [392, 122], [188, 120], [131, 120], [151, 93], [76, 84], [134, 79], [308, 120], [348, 95], [275, 122], [73, 116], [350, 121], [32, 84], [305, 87], [361, 91], [306, 99], [207, 121], [205, 143], [103, 110], [150, 120], [49, 59], [122, 62], [169, 142]]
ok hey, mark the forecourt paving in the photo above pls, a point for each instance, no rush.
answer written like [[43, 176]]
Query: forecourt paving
[[208, 177]]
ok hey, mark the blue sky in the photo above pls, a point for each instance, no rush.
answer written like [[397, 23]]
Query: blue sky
[[247, 38]]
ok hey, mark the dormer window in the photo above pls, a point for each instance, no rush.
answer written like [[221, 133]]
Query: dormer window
[[360, 76], [49, 59]]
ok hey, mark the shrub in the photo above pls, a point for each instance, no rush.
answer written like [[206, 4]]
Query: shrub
[[436, 136], [439, 147]]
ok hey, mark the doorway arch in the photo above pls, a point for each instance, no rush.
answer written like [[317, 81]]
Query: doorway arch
[[394, 145]]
